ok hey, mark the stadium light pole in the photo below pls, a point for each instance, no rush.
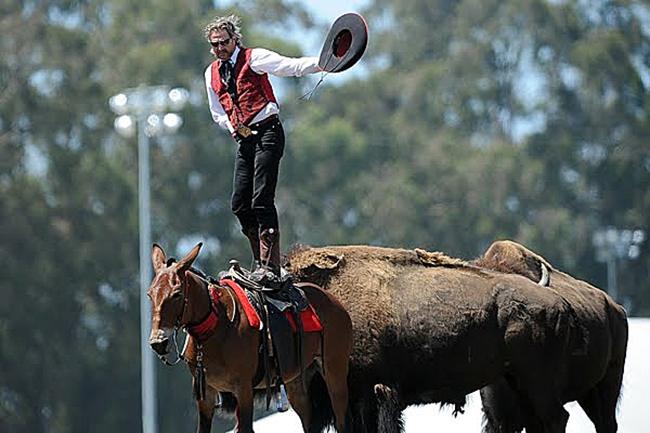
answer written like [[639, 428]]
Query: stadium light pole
[[150, 111], [613, 244]]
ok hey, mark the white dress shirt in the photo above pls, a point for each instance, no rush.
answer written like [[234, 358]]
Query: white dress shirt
[[262, 61]]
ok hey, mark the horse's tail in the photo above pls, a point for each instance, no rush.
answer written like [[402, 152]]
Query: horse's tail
[[322, 414]]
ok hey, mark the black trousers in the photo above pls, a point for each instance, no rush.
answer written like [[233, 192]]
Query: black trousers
[[256, 176]]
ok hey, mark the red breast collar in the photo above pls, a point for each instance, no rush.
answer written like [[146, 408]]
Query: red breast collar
[[205, 328]]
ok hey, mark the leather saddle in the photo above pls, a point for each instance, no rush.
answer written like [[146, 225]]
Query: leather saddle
[[281, 345], [283, 295]]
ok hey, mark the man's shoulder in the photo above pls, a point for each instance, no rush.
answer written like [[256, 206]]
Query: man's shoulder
[[261, 52], [208, 69]]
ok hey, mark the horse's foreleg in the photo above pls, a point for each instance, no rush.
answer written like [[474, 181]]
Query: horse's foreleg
[[244, 410], [206, 410]]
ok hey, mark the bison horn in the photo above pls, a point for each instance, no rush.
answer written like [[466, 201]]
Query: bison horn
[[544, 281]]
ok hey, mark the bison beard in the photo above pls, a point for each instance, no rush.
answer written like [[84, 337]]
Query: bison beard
[[430, 329]]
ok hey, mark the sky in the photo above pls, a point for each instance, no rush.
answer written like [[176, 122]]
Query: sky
[[331, 9], [324, 11]]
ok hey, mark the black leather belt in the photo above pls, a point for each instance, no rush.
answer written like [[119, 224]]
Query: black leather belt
[[263, 122], [244, 131]]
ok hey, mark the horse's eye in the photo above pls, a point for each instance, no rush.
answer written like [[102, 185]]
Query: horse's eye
[[176, 295]]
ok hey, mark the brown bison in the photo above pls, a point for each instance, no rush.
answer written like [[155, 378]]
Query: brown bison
[[431, 329], [594, 374]]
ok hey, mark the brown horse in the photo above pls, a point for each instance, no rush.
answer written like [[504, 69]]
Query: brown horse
[[225, 353]]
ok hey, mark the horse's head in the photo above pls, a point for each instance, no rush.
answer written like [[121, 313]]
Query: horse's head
[[168, 296]]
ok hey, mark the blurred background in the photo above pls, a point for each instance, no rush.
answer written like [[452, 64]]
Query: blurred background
[[465, 122]]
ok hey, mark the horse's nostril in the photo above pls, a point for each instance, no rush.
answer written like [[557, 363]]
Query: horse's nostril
[[161, 346]]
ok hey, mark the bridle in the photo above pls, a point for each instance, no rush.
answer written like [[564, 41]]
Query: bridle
[[202, 330], [180, 354]]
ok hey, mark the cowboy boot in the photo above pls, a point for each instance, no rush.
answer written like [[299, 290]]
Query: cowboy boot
[[254, 238], [269, 272]]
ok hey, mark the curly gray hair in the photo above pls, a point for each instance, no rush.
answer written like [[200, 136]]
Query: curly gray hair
[[231, 24]]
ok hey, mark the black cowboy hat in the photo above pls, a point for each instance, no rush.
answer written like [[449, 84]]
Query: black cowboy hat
[[345, 43]]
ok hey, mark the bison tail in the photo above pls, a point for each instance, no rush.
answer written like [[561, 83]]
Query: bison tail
[[389, 410]]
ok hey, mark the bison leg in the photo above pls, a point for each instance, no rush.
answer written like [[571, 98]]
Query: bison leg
[[502, 411], [600, 403], [363, 414], [603, 420], [533, 403], [553, 422], [542, 412]]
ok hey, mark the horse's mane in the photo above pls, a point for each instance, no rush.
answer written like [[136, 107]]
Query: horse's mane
[[193, 269], [201, 274]]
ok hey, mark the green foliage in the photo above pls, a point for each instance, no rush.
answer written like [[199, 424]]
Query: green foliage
[[474, 121]]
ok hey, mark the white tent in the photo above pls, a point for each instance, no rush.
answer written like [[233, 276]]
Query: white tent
[[632, 410]]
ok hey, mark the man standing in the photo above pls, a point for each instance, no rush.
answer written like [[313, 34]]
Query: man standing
[[242, 101]]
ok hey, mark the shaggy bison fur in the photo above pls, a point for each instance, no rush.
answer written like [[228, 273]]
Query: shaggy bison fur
[[594, 374], [432, 329]]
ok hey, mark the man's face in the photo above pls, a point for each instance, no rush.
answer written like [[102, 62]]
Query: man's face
[[223, 45]]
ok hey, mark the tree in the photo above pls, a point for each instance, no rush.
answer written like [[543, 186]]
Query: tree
[[68, 190], [474, 121], [492, 120]]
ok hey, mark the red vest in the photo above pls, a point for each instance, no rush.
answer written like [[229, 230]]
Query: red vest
[[254, 91]]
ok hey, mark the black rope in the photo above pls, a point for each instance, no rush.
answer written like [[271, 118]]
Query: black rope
[[325, 73], [309, 94]]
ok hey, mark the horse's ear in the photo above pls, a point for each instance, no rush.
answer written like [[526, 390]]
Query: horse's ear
[[187, 261], [158, 257]]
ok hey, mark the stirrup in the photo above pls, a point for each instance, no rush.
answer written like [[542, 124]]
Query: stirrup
[[283, 401]]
